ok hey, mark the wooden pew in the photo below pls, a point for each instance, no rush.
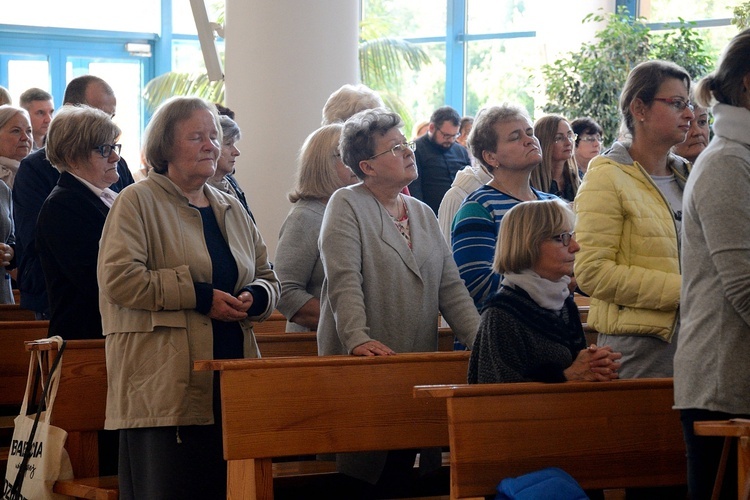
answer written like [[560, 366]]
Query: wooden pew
[[326, 404], [79, 409], [275, 345], [81, 401], [276, 323], [14, 369], [606, 435], [14, 312]]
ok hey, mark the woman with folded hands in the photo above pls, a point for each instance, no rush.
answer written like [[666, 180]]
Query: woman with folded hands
[[530, 330]]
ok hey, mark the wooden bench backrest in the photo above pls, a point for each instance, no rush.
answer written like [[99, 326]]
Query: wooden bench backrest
[[276, 323], [13, 312], [299, 406], [81, 401], [278, 344], [14, 360], [606, 435]]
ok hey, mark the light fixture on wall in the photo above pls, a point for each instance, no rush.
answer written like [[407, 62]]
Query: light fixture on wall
[[138, 49]]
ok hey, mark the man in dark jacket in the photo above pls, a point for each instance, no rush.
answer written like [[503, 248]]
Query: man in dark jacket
[[439, 157], [35, 180]]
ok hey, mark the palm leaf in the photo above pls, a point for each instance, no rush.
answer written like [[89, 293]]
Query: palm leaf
[[381, 60], [171, 84]]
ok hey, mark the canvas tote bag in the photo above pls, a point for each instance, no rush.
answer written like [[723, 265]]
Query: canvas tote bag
[[37, 455]]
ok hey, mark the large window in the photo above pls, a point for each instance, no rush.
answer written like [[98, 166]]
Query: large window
[[490, 51]]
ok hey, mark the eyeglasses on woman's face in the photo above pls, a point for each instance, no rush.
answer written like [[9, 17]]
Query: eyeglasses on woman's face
[[591, 138], [398, 149], [564, 238], [677, 103], [570, 136], [106, 149]]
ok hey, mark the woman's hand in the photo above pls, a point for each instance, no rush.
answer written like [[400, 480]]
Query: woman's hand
[[594, 364], [372, 348], [6, 254], [308, 315], [226, 307]]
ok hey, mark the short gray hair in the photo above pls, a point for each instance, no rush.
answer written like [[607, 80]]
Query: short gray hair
[[347, 101], [159, 137], [7, 112], [358, 137], [75, 132], [483, 136], [229, 128], [33, 94]]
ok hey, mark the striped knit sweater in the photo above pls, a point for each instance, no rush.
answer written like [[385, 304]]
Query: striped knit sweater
[[474, 235]]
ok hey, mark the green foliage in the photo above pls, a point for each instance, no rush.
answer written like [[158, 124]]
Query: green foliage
[[741, 17], [588, 82], [382, 61], [170, 84]]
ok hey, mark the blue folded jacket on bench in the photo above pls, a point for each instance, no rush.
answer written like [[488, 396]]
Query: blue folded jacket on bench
[[551, 483]]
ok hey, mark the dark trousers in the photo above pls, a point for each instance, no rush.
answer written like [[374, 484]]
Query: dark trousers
[[174, 463], [703, 455]]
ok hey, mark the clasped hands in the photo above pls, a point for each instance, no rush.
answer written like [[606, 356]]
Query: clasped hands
[[594, 364], [226, 307]]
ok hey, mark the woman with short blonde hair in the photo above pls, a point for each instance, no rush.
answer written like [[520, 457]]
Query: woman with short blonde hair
[[530, 330], [320, 172]]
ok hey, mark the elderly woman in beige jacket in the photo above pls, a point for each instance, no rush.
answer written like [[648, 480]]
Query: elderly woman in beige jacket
[[183, 274], [388, 270]]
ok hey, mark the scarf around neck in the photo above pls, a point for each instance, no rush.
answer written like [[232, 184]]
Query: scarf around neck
[[548, 294]]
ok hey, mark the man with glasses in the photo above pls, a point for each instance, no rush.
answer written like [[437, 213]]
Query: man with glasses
[[35, 180], [439, 157]]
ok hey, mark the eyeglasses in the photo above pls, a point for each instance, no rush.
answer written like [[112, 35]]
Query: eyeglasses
[[591, 138], [450, 136], [106, 149], [570, 136], [564, 238], [677, 103], [397, 149]]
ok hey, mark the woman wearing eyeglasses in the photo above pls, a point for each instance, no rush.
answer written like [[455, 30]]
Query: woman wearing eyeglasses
[[81, 145], [557, 173], [629, 209], [589, 138], [388, 272], [530, 330]]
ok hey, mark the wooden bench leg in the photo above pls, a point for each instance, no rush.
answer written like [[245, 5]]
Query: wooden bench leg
[[250, 479], [743, 467]]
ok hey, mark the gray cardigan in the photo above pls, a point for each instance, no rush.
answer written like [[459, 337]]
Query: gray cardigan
[[712, 362], [298, 263], [377, 288]]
